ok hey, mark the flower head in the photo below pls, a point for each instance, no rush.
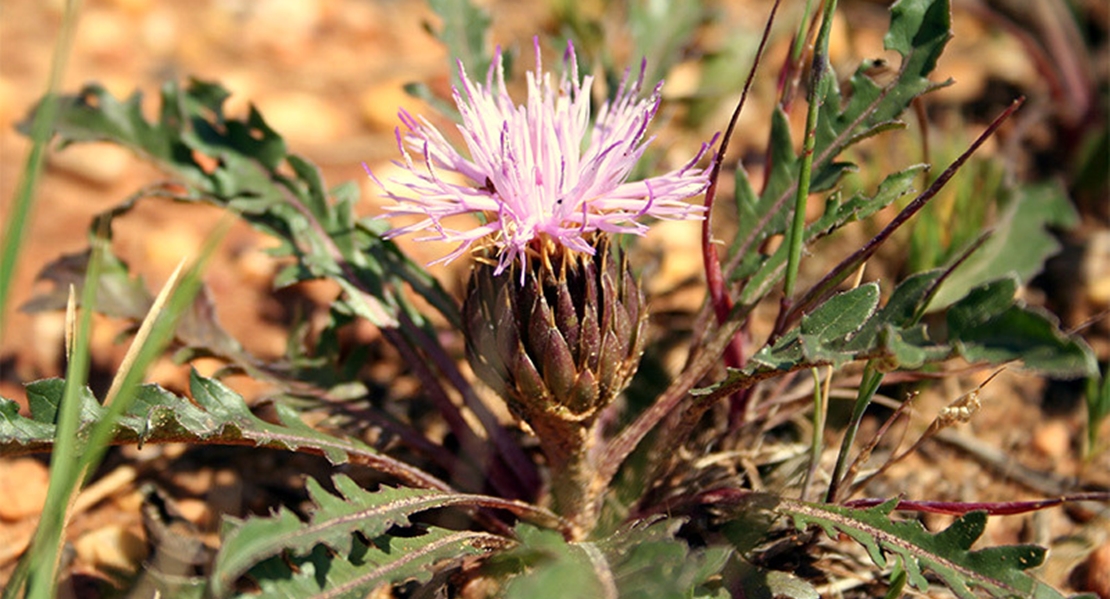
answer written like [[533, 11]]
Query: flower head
[[539, 172]]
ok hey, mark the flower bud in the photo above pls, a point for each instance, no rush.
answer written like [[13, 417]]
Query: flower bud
[[558, 341]]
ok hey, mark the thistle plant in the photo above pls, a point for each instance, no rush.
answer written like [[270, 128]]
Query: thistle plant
[[553, 320], [609, 498]]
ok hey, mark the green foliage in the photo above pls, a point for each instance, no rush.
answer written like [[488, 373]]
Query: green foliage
[[463, 31], [334, 525], [643, 560], [361, 567], [1098, 406], [243, 165], [1019, 243], [919, 30], [354, 541], [998, 571], [985, 326], [216, 415]]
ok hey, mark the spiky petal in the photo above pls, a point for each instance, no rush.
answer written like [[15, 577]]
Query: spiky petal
[[540, 169]]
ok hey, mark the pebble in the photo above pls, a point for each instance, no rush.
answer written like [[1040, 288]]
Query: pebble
[[113, 547], [15, 537], [302, 118], [678, 244], [284, 27], [195, 511], [23, 483], [105, 33], [380, 104], [162, 252], [99, 163], [1096, 268], [1098, 571], [48, 339], [1052, 439]]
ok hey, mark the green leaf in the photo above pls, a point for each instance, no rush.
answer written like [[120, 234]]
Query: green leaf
[[463, 31], [216, 415], [1019, 243], [765, 271], [987, 326], [842, 315], [643, 560], [118, 295], [362, 567], [332, 523], [17, 431], [247, 169], [997, 571], [919, 30]]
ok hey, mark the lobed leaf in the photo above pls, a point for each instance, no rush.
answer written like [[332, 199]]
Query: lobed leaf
[[362, 567], [642, 560], [988, 325], [919, 30], [998, 571], [244, 165], [217, 415], [331, 524]]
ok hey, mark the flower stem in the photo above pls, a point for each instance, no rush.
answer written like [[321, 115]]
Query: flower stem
[[796, 234]]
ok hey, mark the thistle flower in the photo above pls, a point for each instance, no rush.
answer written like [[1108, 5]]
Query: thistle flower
[[541, 172], [560, 335]]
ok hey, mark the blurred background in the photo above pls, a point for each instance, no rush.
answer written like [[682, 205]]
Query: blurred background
[[330, 75]]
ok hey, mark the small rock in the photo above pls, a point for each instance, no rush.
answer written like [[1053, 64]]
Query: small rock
[[1098, 571], [15, 537], [1052, 439], [105, 33], [112, 547], [284, 28], [165, 250], [159, 31], [302, 118], [48, 339], [99, 163], [23, 483], [195, 511], [380, 104], [1096, 268]]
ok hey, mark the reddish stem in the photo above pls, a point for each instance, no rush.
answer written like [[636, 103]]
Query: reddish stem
[[714, 278]]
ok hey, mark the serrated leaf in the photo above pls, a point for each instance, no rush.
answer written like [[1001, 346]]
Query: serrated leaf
[[919, 30], [332, 523], [216, 415], [363, 567], [988, 325], [248, 174], [642, 560], [17, 431], [764, 271], [999, 571]]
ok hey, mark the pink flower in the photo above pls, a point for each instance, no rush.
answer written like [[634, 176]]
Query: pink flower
[[540, 169]]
